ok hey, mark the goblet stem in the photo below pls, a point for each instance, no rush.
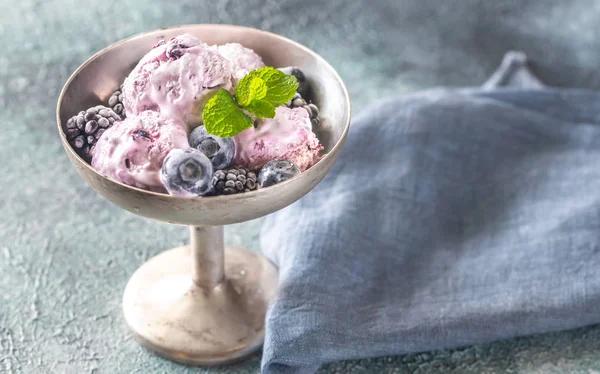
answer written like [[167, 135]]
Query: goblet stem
[[207, 255]]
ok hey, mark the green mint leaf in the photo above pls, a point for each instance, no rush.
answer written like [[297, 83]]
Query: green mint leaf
[[222, 117], [281, 87], [252, 88], [261, 109], [265, 86]]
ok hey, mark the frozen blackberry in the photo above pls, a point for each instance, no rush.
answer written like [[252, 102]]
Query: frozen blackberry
[[84, 129], [233, 180], [299, 102], [115, 101]]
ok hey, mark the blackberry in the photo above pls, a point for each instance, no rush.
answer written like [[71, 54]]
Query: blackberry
[[116, 102], [313, 111], [233, 180], [84, 129], [297, 101]]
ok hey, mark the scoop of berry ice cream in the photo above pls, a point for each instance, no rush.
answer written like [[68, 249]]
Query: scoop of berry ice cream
[[132, 151], [243, 60], [176, 79], [287, 136]]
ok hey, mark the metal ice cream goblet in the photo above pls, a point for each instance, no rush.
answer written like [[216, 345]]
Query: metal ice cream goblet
[[205, 303]]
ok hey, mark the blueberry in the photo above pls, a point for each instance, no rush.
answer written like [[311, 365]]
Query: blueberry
[[300, 77], [186, 172], [276, 171], [219, 150]]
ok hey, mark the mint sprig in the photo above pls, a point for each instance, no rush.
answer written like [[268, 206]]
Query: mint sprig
[[258, 92], [266, 85], [222, 117]]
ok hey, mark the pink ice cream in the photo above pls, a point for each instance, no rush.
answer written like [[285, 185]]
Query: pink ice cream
[[287, 136], [242, 60], [132, 151], [176, 79]]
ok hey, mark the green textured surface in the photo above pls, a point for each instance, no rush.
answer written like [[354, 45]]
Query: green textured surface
[[66, 254]]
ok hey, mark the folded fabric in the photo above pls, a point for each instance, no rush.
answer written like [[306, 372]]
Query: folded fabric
[[452, 217]]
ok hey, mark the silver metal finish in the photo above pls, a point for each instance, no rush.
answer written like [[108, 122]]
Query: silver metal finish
[[174, 317], [202, 304], [207, 255]]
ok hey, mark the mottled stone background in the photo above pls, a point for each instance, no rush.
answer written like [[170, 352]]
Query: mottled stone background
[[66, 254]]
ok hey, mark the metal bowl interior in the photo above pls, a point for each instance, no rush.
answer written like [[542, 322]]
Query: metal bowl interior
[[94, 81]]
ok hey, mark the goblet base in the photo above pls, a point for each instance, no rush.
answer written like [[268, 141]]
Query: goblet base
[[174, 317]]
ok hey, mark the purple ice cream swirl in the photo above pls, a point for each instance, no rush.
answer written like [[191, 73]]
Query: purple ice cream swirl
[[132, 151], [176, 79], [287, 136]]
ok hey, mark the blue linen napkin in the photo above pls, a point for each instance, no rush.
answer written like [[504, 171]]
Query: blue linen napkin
[[452, 217]]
